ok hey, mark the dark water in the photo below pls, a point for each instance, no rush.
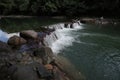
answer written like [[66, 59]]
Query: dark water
[[18, 24], [96, 52]]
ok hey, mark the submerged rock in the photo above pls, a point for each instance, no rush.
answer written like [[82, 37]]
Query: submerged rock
[[16, 41], [67, 69], [28, 34]]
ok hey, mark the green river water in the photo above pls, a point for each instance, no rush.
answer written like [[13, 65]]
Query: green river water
[[96, 51]]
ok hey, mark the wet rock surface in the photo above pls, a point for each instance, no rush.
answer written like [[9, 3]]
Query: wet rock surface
[[27, 34], [16, 41], [4, 47], [30, 59], [27, 65]]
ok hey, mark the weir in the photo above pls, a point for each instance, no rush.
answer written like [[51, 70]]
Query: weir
[[60, 38], [56, 39]]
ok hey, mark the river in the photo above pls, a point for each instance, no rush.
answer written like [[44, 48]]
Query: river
[[95, 51]]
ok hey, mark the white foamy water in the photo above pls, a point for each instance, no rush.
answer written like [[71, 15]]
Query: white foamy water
[[65, 38], [4, 36], [12, 34]]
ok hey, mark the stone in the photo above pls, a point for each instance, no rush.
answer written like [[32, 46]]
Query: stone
[[16, 41], [45, 53], [71, 25], [4, 47], [29, 34], [29, 46], [41, 35], [49, 67], [25, 72], [66, 25], [43, 72], [33, 71], [5, 58]]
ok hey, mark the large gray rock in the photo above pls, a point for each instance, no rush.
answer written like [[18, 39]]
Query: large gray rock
[[29, 34]]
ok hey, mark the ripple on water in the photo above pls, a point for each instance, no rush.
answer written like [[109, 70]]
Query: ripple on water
[[109, 64]]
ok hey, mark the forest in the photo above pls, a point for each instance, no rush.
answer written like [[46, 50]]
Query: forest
[[60, 7]]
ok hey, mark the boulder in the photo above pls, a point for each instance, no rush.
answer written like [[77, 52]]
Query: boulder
[[45, 53], [4, 47], [24, 72], [33, 71], [29, 34], [16, 41], [29, 46]]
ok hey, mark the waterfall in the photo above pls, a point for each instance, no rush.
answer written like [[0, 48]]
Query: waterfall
[[50, 39], [61, 37]]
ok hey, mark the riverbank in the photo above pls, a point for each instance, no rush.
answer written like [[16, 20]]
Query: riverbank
[[100, 20], [28, 52]]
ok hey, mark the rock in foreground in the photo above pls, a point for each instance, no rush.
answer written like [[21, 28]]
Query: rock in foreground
[[16, 41], [27, 34]]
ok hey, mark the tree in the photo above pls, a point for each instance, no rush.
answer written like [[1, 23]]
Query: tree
[[6, 6], [60, 7]]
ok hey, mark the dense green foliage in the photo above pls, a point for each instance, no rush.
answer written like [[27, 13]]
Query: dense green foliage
[[59, 7]]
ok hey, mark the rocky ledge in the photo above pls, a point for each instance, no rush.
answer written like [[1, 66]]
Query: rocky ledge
[[26, 57]]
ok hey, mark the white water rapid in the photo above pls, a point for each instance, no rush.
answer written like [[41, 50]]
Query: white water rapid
[[62, 37]]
